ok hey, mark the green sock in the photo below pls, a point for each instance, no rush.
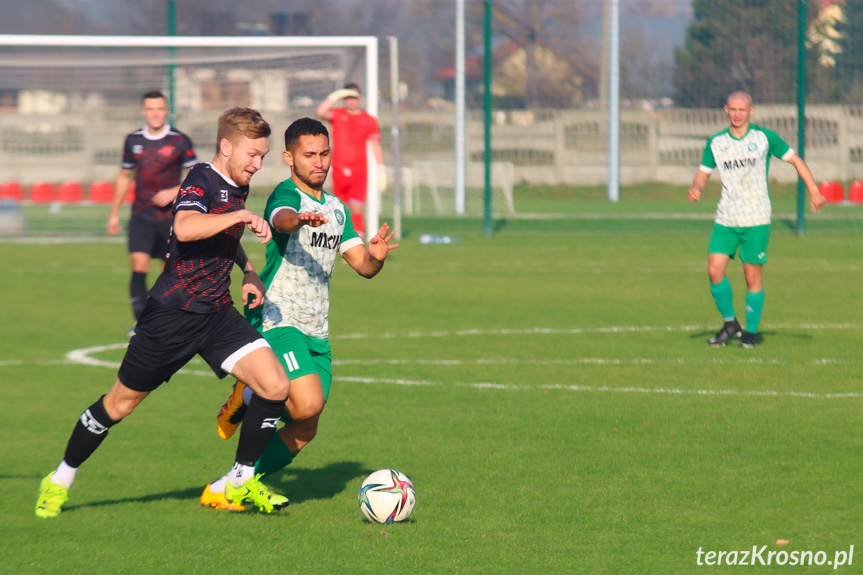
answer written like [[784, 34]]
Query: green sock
[[754, 307], [724, 298], [276, 456]]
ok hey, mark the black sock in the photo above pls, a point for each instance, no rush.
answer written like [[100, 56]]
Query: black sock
[[138, 293], [89, 432], [259, 425]]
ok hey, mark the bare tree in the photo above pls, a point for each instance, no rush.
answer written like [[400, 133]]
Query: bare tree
[[544, 30]]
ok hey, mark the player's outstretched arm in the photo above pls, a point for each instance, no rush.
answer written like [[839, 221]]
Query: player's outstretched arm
[[289, 221], [816, 200], [698, 184], [369, 261], [190, 226]]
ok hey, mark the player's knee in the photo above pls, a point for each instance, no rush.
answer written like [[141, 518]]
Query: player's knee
[[753, 284], [117, 409], [752, 274], [306, 408], [275, 388], [282, 389], [715, 273]]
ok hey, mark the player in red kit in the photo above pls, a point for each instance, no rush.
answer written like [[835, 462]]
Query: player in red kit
[[351, 128]]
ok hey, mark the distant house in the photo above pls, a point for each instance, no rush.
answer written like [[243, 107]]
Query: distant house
[[473, 79]]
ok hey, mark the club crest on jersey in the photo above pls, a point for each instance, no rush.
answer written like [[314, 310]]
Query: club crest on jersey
[[194, 190], [340, 217], [223, 195], [753, 147], [137, 149]]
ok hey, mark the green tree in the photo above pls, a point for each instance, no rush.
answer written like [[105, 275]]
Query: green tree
[[732, 45]]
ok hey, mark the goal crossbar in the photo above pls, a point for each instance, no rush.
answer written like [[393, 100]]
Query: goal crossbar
[[368, 43]]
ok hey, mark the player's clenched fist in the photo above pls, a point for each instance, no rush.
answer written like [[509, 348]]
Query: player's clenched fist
[[257, 225]]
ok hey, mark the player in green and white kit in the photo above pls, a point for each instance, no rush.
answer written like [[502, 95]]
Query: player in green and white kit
[[310, 228], [742, 153]]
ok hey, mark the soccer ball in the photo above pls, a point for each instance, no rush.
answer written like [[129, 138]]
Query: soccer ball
[[387, 496]]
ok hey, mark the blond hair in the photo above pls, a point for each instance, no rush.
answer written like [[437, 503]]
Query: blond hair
[[238, 122]]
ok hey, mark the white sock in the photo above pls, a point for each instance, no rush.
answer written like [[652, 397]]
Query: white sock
[[239, 474], [247, 395], [218, 486], [64, 475]]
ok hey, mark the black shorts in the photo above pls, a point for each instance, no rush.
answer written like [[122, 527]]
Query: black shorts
[[149, 236], [166, 339]]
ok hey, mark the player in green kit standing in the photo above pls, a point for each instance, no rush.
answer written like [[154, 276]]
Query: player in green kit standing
[[310, 229], [741, 153]]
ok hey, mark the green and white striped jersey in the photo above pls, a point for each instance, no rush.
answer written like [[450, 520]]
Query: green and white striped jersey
[[743, 164], [299, 265]]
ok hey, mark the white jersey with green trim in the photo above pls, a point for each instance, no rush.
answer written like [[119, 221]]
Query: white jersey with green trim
[[299, 265], [743, 165]]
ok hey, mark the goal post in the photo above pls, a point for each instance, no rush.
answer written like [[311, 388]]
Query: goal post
[[431, 191], [67, 101]]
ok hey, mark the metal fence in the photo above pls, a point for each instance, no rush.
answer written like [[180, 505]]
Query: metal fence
[[549, 120]]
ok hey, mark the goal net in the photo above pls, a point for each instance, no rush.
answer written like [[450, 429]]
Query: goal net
[[428, 188], [67, 103]]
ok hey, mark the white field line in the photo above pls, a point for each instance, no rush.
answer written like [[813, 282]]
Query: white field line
[[606, 389], [84, 357], [580, 361], [585, 330]]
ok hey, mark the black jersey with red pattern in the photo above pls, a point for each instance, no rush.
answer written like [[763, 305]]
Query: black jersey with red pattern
[[158, 162], [197, 274]]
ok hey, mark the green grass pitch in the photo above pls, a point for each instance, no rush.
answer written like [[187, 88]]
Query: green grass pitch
[[552, 397]]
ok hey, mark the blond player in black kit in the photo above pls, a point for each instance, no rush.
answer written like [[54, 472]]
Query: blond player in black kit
[[190, 311]]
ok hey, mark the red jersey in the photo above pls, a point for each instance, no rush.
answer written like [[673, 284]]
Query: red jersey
[[350, 134]]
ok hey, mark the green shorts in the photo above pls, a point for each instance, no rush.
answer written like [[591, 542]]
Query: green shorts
[[302, 355], [752, 242]]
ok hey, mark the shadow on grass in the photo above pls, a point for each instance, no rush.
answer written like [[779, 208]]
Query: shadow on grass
[[759, 337], [298, 484]]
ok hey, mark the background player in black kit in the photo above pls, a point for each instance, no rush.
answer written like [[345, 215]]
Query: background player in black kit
[[190, 312], [160, 156]]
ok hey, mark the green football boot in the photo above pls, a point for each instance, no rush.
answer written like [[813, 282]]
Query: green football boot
[[256, 493], [51, 498]]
